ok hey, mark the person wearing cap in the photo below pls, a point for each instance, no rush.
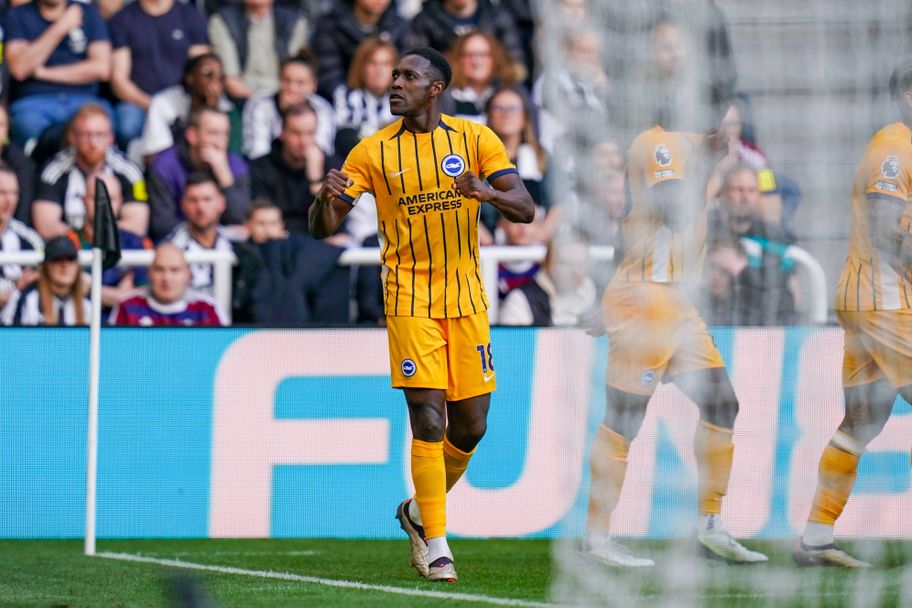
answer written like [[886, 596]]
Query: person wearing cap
[[57, 297]]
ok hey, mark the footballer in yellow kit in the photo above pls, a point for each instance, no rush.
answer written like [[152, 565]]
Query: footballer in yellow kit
[[874, 306], [429, 173], [655, 334]]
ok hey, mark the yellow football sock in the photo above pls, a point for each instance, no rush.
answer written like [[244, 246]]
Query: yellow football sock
[[713, 448], [455, 461], [836, 476], [429, 477], [608, 464]]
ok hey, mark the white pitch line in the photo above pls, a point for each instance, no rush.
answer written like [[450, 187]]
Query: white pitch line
[[327, 582], [250, 553]]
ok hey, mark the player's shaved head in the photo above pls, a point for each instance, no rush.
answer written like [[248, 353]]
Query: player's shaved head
[[439, 64]]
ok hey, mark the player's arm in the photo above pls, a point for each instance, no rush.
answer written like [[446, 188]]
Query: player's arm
[[680, 202], [329, 207], [506, 192], [888, 236]]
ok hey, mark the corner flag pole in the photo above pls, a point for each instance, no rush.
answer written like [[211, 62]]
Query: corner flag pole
[[92, 438], [105, 254]]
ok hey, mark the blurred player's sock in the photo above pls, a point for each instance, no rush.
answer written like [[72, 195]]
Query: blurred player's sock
[[836, 477], [713, 448], [817, 535], [455, 461], [608, 461], [429, 477]]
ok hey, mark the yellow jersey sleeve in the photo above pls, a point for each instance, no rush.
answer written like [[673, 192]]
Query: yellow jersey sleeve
[[889, 169], [358, 169], [493, 160]]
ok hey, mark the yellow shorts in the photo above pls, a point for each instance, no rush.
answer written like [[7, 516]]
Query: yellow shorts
[[654, 333], [453, 355], [878, 344]]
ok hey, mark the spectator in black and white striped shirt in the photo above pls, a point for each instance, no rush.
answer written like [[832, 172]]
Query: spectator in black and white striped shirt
[[263, 113], [59, 203], [57, 297], [14, 236], [362, 104]]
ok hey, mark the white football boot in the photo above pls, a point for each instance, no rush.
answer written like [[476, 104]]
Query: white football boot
[[716, 543]]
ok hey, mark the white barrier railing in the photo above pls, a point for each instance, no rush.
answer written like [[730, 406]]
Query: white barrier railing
[[366, 256], [492, 256]]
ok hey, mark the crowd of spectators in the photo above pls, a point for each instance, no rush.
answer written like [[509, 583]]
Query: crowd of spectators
[[212, 125]]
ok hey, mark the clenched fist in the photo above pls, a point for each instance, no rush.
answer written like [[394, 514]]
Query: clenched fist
[[469, 186]]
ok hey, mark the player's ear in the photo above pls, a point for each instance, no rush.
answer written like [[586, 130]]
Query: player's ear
[[437, 88]]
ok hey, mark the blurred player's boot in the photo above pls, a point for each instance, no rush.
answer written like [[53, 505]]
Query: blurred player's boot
[[415, 535], [825, 555], [611, 553], [717, 543]]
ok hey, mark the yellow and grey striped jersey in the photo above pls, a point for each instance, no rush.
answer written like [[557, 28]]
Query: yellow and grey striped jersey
[[428, 232], [653, 252], [868, 282]]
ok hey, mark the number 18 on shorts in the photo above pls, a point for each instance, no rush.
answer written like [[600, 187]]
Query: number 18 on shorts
[[453, 355]]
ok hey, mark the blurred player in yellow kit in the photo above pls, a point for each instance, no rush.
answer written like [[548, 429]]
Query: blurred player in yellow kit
[[874, 307], [655, 335], [426, 172]]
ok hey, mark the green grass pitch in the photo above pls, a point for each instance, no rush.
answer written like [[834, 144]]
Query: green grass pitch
[[492, 572]]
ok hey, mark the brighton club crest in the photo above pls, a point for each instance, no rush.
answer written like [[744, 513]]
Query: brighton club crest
[[453, 165]]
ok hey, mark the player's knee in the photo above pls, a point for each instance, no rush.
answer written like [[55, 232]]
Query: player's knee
[[722, 413], [428, 424], [472, 433]]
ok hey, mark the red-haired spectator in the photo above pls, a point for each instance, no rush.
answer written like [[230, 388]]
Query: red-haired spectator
[[59, 203]]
